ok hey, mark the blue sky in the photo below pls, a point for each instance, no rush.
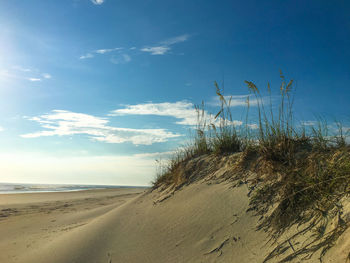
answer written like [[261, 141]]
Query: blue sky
[[94, 91]]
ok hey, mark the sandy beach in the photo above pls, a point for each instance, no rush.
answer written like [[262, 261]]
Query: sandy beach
[[206, 221], [130, 225], [28, 222]]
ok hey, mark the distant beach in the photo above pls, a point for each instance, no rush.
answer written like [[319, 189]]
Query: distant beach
[[19, 188]]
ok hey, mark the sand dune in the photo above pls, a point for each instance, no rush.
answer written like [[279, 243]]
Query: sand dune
[[203, 222], [210, 226]]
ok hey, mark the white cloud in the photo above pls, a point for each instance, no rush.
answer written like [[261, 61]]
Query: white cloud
[[61, 123], [182, 110], [34, 79], [102, 51], [165, 45], [308, 123], [107, 50], [46, 76], [159, 50], [97, 2], [135, 136], [175, 40], [22, 73], [1, 129], [99, 52], [236, 100], [88, 55]]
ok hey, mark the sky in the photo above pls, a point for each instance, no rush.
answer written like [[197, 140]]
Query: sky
[[93, 91]]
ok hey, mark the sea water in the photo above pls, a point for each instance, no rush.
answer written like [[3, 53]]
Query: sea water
[[15, 188]]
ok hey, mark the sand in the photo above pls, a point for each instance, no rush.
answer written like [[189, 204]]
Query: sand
[[28, 222], [203, 222]]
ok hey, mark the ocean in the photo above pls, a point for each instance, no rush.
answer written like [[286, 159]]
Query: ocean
[[16, 188]]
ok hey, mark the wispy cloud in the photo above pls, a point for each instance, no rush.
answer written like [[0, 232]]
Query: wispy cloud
[[23, 73], [87, 55], [46, 76], [97, 2], [107, 50], [160, 50], [103, 51], [63, 123], [164, 46], [236, 100], [182, 110], [34, 79], [308, 123], [175, 40]]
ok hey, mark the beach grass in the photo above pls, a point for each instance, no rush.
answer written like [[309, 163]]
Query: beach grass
[[305, 171]]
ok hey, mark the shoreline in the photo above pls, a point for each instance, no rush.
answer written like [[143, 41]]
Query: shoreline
[[38, 197], [68, 191], [23, 188]]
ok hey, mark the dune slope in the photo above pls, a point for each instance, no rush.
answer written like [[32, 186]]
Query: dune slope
[[201, 223], [206, 220]]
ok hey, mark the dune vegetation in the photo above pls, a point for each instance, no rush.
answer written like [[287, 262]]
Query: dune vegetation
[[299, 175]]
